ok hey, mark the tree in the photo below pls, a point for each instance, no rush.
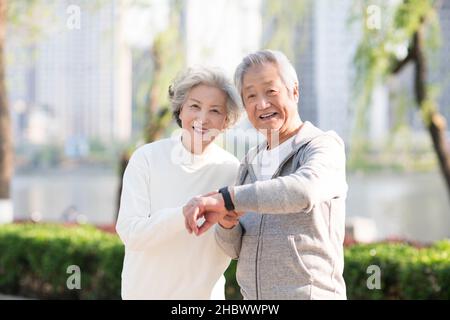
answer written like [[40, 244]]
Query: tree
[[26, 19], [282, 21], [167, 56], [6, 153], [13, 13], [414, 24]]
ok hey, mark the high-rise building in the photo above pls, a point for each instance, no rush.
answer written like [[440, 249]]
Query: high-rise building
[[324, 48], [325, 44], [233, 30], [80, 74]]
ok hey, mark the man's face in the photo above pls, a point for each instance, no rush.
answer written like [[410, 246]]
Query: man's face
[[269, 105]]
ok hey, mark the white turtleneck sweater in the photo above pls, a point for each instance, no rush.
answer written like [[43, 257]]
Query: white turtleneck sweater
[[162, 260]]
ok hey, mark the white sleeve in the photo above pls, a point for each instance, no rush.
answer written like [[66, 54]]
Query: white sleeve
[[137, 227]]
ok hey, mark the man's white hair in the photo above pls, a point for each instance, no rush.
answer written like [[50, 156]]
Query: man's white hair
[[287, 72]]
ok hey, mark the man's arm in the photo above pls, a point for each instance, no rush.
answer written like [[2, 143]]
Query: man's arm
[[321, 177], [229, 240]]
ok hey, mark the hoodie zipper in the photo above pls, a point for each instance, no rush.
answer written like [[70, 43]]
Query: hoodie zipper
[[261, 224], [290, 156], [257, 256]]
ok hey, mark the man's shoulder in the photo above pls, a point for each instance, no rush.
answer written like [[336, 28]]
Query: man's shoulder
[[312, 135], [330, 138], [251, 154]]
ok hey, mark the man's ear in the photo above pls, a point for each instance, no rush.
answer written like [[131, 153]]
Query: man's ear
[[295, 92]]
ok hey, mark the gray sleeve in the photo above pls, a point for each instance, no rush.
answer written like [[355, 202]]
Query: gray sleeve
[[229, 240], [320, 177]]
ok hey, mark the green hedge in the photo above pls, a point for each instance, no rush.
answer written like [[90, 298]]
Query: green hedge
[[406, 272], [34, 260]]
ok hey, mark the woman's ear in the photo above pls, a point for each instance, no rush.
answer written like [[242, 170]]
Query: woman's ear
[[295, 92], [225, 124]]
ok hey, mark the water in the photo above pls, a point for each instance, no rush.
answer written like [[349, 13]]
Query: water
[[54, 193], [413, 206]]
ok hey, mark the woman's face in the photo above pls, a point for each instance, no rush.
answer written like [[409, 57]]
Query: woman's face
[[203, 116]]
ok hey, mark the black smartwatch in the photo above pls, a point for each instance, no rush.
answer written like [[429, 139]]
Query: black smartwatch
[[227, 198]]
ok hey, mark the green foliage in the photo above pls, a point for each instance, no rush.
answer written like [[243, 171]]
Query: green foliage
[[105, 153], [406, 272], [168, 60], [284, 19], [382, 49], [46, 156], [232, 290], [34, 261], [27, 16]]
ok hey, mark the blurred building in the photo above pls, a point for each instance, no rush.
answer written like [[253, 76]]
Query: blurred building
[[326, 43], [81, 76], [324, 48], [233, 30], [77, 82]]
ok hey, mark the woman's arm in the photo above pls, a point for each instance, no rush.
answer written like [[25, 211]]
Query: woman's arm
[[137, 226]]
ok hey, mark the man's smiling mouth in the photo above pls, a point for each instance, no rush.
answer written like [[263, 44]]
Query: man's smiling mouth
[[267, 116]]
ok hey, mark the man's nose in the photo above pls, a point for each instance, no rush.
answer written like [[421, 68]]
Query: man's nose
[[262, 103]]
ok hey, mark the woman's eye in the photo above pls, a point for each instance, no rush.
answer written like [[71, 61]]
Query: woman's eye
[[250, 96], [272, 91], [215, 111], [194, 106]]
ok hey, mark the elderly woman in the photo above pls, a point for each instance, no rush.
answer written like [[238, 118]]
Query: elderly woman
[[162, 261]]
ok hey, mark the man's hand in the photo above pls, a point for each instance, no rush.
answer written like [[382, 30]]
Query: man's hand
[[210, 206], [191, 210]]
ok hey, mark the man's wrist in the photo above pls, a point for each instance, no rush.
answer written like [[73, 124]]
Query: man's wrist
[[231, 190], [227, 198]]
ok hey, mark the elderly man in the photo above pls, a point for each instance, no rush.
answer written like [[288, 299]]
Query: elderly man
[[289, 197]]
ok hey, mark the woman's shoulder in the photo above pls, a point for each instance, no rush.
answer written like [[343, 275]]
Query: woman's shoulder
[[224, 156], [157, 145], [148, 151]]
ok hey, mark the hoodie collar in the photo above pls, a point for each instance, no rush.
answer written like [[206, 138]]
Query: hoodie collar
[[305, 135]]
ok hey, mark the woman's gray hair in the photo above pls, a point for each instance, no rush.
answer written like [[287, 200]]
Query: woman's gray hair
[[191, 77], [287, 72]]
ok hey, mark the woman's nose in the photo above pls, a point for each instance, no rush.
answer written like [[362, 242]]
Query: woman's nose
[[202, 118]]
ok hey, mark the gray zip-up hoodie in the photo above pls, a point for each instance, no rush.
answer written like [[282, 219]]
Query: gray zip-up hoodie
[[289, 243]]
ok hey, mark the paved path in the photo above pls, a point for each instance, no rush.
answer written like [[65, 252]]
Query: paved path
[[8, 297]]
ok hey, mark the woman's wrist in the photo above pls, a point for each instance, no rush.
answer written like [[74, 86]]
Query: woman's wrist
[[229, 226]]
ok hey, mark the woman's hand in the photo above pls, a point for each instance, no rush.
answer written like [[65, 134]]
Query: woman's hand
[[230, 220]]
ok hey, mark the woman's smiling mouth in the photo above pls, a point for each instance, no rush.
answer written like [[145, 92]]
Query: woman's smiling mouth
[[200, 130]]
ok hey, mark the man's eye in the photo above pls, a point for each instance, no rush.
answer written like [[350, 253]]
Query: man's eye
[[250, 96]]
